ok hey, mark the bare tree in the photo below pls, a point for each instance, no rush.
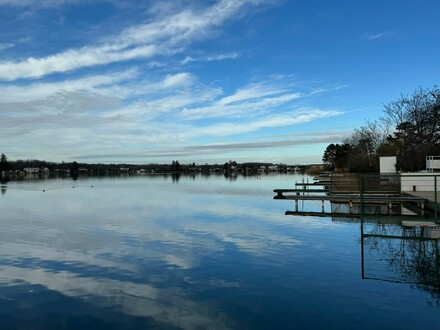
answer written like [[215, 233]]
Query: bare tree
[[416, 122]]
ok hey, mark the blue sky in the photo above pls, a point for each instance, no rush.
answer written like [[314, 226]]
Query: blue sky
[[204, 81]]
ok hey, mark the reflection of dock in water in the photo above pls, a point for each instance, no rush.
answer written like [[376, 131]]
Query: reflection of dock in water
[[351, 200], [397, 244], [408, 253]]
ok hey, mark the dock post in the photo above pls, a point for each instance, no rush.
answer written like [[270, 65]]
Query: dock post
[[435, 197], [362, 196], [323, 210], [296, 205], [389, 208]]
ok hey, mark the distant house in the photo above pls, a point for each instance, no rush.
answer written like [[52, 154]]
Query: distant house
[[31, 170], [83, 170], [272, 168]]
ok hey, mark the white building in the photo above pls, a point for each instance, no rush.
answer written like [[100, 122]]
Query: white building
[[419, 181], [387, 164], [433, 163], [31, 170]]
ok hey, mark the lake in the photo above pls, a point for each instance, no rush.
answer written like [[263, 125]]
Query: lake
[[167, 252]]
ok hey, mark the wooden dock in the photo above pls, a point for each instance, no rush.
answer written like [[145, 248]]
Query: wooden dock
[[323, 214], [313, 184], [281, 192], [374, 199]]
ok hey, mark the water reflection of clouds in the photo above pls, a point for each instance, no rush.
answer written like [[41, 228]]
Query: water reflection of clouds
[[167, 305], [122, 246], [249, 228]]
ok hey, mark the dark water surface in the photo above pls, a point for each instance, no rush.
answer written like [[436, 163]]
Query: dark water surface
[[151, 252]]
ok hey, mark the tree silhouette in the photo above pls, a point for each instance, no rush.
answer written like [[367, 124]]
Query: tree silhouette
[[4, 164]]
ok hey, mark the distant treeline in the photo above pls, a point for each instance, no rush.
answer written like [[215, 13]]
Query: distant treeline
[[76, 168], [409, 130]]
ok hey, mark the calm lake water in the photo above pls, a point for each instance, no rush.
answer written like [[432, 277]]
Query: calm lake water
[[203, 253]]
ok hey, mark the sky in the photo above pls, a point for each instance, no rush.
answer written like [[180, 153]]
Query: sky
[[115, 81]]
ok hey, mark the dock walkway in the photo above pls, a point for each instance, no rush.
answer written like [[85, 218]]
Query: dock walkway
[[323, 195]]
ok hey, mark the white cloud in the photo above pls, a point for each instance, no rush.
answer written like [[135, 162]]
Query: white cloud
[[69, 60], [376, 35], [39, 91], [220, 57], [268, 121], [160, 36], [246, 108], [253, 91], [6, 45], [36, 3], [158, 115], [178, 80]]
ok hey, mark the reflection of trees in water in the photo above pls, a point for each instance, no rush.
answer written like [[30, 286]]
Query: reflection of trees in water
[[175, 177], [3, 181], [231, 176], [407, 255]]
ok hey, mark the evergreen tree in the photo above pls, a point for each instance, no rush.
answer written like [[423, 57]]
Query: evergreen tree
[[4, 164]]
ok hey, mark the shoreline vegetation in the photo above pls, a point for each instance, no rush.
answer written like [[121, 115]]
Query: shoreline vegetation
[[22, 168], [409, 129]]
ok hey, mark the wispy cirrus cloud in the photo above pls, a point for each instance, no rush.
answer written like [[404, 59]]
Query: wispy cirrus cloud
[[6, 45], [250, 101], [159, 36], [374, 36], [289, 118], [42, 90], [148, 101], [248, 108], [224, 147], [213, 58], [38, 3], [126, 110]]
